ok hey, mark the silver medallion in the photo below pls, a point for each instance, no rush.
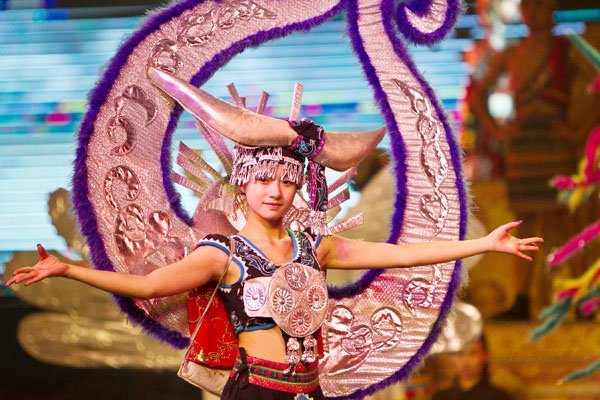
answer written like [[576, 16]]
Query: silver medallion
[[255, 296], [298, 299], [282, 301]]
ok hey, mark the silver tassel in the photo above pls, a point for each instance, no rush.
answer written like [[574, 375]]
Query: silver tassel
[[309, 355], [292, 355], [317, 221]]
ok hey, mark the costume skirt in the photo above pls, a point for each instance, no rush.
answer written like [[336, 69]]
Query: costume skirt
[[254, 378]]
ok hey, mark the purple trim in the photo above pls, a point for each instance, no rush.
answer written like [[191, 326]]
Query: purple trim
[[85, 211], [421, 8], [84, 208], [398, 150]]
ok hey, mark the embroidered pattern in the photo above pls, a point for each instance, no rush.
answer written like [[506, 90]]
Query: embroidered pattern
[[272, 375], [307, 257], [253, 259], [254, 264]]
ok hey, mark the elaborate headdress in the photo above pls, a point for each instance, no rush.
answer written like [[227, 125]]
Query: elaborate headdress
[[262, 142]]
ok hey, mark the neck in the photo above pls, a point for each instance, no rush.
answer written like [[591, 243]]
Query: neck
[[258, 227]]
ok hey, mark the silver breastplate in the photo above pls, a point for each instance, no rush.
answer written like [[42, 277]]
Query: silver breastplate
[[296, 298]]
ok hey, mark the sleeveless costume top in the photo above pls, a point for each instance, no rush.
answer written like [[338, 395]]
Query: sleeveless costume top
[[292, 295], [254, 264]]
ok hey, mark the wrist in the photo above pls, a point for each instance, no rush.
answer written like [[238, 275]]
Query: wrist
[[68, 271], [487, 244]]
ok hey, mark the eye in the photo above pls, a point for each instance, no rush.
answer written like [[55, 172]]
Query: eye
[[263, 179]]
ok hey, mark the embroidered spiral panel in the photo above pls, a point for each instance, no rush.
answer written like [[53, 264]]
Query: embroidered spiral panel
[[128, 208], [377, 330], [384, 331]]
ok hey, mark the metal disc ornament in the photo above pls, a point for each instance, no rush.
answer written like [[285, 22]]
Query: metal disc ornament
[[297, 298]]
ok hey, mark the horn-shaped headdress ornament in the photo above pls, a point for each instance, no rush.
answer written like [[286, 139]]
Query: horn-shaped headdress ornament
[[262, 142], [341, 150]]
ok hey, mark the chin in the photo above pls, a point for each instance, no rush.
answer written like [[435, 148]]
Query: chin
[[271, 216]]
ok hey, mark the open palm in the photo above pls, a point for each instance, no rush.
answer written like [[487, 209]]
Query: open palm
[[46, 267], [504, 242]]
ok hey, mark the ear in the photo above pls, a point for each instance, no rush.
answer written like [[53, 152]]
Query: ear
[[243, 188]]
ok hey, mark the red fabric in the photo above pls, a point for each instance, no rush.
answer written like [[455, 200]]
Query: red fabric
[[320, 350], [558, 61], [558, 90], [215, 344]]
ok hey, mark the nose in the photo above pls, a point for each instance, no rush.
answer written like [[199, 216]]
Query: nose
[[275, 188]]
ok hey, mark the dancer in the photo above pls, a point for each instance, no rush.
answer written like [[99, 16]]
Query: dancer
[[273, 269]]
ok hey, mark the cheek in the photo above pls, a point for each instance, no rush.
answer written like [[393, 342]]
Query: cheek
[[252, 194], [291, 192]]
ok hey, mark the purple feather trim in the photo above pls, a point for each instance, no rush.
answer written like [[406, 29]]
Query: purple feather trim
[[421, 8], [398, 150], [83, 207]]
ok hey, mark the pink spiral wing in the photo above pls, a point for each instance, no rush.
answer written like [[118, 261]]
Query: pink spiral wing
[[361, 356], [379, 328], [125, 200]]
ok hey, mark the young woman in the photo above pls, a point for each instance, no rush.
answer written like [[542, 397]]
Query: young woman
[[276, 339], [268, 199]]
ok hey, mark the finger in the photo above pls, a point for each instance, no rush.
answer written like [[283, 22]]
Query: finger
[[21, 277], [524, 256], [531, 240], [512, 225], [22, 270], [529, 248], [38, 277], [34, 280], [14, 280], [42, 251]]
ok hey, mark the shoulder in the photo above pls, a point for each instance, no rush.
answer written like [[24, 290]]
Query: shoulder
[[214, 247], [212, 253], [221, 242]]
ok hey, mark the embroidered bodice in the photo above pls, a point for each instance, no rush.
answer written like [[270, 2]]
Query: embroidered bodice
[[245, 298]]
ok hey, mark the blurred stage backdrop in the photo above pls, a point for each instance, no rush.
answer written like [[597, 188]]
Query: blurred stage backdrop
[[523, 108]]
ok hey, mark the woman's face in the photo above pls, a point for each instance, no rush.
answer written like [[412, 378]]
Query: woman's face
[[538, 15], [269, 198], [472, 360]]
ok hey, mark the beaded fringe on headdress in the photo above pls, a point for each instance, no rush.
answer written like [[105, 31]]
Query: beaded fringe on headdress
[[262, 162]]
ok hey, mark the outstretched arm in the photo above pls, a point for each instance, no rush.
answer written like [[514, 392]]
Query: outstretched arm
[[202, 265], [339, 253]]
